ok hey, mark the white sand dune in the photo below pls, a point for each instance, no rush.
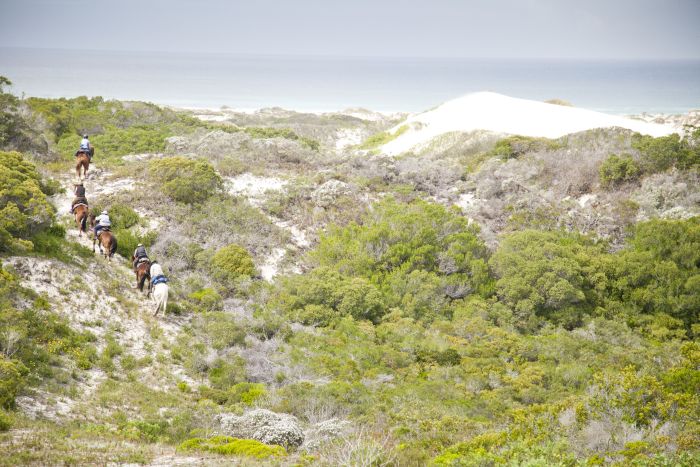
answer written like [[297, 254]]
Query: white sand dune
[[502, 114]]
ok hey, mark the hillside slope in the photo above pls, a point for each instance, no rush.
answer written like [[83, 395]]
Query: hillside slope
[[484, 300]]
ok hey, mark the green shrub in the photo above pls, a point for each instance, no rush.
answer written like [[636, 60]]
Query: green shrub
[[515, 146], [24, 208], [206, 299], [546, 275], [186, 180], [416, 257], [618, 169], [382, 138], [11, 381], [10, 121], [659, 154], [233, 447], [5, 421], [658, 272], [140, 430], [232, 262], [224, 330], [225, 373], [246, 393]]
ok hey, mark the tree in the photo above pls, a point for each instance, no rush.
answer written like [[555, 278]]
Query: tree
[[546, 275]]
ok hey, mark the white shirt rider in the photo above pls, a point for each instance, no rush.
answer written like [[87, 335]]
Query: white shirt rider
[[103, 220], [156, 270], [85, 144]]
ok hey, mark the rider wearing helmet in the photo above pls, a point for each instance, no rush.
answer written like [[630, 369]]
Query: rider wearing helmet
[[79, 196], [139, 255], [102, 222], [86, 147]]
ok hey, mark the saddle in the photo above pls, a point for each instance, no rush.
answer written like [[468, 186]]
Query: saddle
[[80, 204], [159, 280], [102, 229], [143, 259]]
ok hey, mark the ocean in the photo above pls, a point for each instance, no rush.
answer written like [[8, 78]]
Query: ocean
[[334, 83]]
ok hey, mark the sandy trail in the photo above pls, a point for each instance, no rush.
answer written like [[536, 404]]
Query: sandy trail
[[95, 295]]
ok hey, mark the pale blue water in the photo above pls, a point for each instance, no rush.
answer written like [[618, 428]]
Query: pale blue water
[[317, 83]]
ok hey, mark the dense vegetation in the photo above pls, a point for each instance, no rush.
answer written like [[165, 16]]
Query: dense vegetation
[[24, 208], [549, 346]]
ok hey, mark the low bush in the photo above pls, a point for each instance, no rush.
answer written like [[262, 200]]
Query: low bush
[[513, 147], [24, 208], [659, 154], [5, 421], [186, 180], [233, 447], [12, 375], [230, 263], [206, 299], [618, 169], [382, 138]]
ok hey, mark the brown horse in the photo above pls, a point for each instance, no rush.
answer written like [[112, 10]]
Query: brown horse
[[143, 274], [108, 242], [81, 213], [82, 160]]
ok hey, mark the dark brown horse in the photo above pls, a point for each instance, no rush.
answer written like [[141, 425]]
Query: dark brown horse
[[143, 274], [81, 213], [82, 160], [107, 241]]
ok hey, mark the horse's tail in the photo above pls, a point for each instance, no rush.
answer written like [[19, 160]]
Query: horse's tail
[[113, 248], [83, 223], [142, 281]]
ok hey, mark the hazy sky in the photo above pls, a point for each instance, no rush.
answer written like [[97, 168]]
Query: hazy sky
[[414, 28]]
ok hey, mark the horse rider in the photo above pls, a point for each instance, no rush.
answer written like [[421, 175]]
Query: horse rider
[[157, 276], [139, 255], [85, 147], [102, 222], [80, 198]]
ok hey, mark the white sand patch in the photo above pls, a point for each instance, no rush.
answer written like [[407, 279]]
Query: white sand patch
[[466, 201], [346, 137], [253, 187], [212, 117], [368, 115], [298, 236], [503, 114], [271, 267], [142, 157], [584, 200]]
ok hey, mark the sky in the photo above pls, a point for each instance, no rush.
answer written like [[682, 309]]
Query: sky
[[574, 29]]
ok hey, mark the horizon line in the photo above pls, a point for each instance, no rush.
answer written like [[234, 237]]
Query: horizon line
[[345, 56]]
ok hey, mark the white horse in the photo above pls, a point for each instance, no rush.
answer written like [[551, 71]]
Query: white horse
[[160, 297], [159, 291]]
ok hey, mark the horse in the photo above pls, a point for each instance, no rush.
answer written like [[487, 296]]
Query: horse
[[160, 297], [143, 274], [108, 242], [81, 213], [82, 160]]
